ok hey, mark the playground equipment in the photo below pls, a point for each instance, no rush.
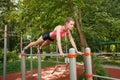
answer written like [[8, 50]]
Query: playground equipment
[[5, 53], [72, 56], [88, 65], [6, 34], [72, 63]]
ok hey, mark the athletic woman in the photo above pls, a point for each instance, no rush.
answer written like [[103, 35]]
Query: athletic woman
[[60, 31]]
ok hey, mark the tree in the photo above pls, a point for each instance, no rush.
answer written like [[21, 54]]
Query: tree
[[8, 16]]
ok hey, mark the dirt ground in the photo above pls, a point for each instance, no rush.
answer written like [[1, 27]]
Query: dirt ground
[[61, 73]]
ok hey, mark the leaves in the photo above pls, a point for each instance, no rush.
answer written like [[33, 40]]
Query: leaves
[[100, 19]]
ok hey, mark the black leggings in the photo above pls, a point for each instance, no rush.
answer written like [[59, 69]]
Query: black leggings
[[46, 36]]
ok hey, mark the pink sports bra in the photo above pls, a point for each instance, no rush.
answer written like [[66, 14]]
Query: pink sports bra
[[63, 32]]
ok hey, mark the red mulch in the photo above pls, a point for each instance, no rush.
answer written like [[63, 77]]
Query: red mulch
[[61, 73]]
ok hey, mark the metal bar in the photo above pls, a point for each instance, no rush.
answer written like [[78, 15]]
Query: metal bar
[[31, 63], [88, 66], [5, 53], [44, 54], [105, 77], [72, 64], [21, 42], [23, 68], [39, 68], [106, 53], [39, 65]]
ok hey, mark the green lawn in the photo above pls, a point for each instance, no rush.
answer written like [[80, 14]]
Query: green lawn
[[16, 66], [112, 62]]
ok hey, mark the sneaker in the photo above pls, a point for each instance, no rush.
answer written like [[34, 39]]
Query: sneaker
[[24, 50]]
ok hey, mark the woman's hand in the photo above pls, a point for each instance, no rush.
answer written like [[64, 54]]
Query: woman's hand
[[80, 53], [62, 54]]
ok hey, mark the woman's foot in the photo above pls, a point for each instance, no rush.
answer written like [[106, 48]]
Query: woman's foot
[[24, 50]]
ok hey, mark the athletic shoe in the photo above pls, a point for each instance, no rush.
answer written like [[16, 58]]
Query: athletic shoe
[[24, 50]]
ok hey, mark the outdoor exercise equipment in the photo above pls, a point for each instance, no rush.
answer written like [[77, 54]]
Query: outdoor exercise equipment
[[6, 34], [72, 56], [5, 53]]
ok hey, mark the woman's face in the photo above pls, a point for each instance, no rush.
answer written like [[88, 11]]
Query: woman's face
[[70, 25]]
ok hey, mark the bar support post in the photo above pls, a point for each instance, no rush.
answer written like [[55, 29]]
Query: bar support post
[[72, 64]]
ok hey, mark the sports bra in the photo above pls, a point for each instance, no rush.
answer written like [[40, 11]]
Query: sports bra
[[63, 32]]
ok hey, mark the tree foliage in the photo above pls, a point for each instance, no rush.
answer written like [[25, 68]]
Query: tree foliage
[[99, 20]]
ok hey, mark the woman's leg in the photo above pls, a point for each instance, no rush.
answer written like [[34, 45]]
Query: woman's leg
[[40, 40], [45, 43]]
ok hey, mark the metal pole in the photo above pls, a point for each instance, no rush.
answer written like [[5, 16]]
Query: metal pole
[[57, 52], [88, 66], [47, 54], [105, 77], [72, 64], [23, 66], [39, 66], [5, 53], [21, 42], [31, 63]]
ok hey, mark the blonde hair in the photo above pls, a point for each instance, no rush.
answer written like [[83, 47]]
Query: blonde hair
[[69, 19]]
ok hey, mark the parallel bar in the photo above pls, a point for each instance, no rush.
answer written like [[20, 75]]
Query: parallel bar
[[106, 53], [5, 53], [88, 66], [39, 68], [21, 42], [39, 65], [105, 77], [23, 68], [72, 65], [44, 55], [31, 63]]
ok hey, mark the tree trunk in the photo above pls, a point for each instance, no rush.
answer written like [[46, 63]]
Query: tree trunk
[[83, 41], [78, 21]]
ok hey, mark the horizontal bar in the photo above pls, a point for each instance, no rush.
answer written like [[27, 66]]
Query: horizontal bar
[[44, 54], [105, 77], [106, 53]]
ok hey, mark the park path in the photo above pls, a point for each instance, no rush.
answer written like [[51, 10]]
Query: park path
[[61, 73]]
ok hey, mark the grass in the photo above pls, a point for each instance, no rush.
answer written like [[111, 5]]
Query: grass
[[112, 62], [16, 66]]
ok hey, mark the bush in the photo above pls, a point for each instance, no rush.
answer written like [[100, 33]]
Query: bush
[[15, 66], [1, 55], [79, 58], [12, 56], [100, 70]]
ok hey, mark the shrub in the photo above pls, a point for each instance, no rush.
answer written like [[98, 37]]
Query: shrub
[[12, 56], [1, 55]]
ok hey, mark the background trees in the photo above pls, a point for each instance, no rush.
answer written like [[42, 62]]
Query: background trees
[[96, 21]]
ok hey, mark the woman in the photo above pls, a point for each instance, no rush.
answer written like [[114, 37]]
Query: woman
[[58, 33]]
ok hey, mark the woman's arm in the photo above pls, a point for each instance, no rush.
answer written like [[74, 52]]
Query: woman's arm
[[72, 41], [58, 38]]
